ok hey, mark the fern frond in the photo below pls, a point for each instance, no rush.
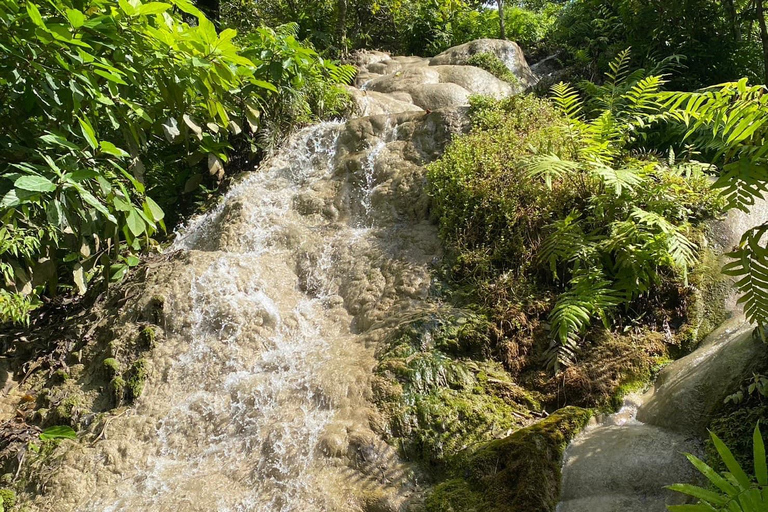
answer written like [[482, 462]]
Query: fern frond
[[751, 266], [567, 100], [561, 355], [590, 295], [341, 74], [619, 67], [642, 97], [550, 167], [741, 182], [565, 242], [619, 180]]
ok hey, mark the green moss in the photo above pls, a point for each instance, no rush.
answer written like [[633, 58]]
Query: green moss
[[117, 389], [8, 497], [520, 473], [147, 337], [706, 306], [438, 406], [61, 375], [135, 379], [455, 496], [112, 366], [67, 410]]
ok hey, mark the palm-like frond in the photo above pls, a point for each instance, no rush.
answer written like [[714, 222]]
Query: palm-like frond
[[620, 180], [590, 295], [550, 167], [750, 265], [567, 100]]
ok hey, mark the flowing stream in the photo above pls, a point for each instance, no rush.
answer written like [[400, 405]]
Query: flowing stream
[[259, 396]]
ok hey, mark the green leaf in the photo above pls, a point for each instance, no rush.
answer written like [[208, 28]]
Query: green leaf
[[34, 14], [155, 212], [58, 432], [758, 449], [110, 76], [58, 140], [111, 149], [76, 18], [35, 184], [78, 275], [135, 222], [153, 8], [88, 132], [698, 492]]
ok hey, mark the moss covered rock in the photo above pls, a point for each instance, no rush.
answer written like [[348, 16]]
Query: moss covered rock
[[520, 473], [438, 405], [135, 379], [8, 497]]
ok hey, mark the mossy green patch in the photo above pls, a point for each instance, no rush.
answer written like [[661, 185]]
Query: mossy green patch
[[439, 405], [519, 473], [147, 337], [491, 63], [112, 366], [117, 389], [8, 497], [135, 379], [455, 495]]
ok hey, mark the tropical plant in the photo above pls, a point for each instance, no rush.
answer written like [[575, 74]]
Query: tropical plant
[[632, 228], [729, 122], [103, 101], [733, 490]]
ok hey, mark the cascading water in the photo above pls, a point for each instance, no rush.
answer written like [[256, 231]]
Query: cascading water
[[269, 310], [262, 375], [258, 397]]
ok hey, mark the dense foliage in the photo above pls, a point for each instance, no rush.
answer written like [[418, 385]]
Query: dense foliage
[[576, 208], [112, 110], [422, 27], [720, 39]]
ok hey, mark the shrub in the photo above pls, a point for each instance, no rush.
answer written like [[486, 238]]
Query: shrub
[[104, 104], [734, 490], [567, 201]]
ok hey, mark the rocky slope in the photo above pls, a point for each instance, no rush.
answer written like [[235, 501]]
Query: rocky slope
[[235, 372]]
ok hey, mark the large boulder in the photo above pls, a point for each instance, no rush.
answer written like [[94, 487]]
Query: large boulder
[[507, 51]]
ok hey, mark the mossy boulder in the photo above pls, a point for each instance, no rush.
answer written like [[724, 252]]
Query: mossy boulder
[[112, 366], [438, 405], [519, 473]]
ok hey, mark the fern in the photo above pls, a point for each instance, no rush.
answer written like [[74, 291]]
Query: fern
[[567, 100], [620, 180], [750, 265], [731, 120], [589, 295], [550, 168], [565, 243]]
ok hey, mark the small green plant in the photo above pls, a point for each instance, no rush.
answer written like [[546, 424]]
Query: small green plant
[[492, 64], [757, 385], [736, 491], [58, 432]]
